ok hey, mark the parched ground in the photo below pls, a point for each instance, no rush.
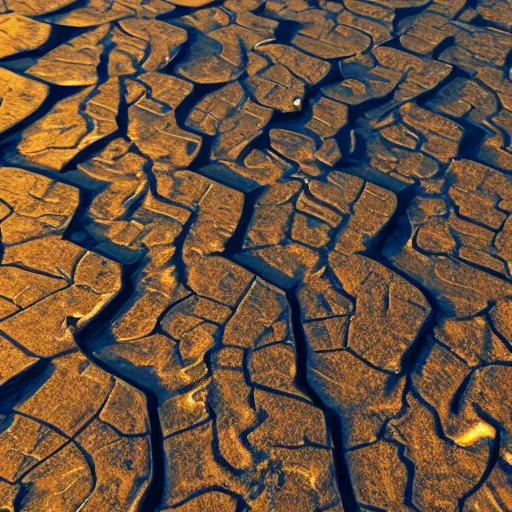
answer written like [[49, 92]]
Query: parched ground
[[255, 255]]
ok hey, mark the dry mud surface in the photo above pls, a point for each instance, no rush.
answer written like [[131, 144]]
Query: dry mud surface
[[255, 255]]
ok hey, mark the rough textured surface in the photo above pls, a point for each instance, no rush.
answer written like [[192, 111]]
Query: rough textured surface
[[255, 255]]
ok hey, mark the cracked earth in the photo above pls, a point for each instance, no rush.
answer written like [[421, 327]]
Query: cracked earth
[[255, 255]]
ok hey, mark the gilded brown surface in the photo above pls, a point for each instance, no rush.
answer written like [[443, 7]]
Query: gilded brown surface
[[255, 255]]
